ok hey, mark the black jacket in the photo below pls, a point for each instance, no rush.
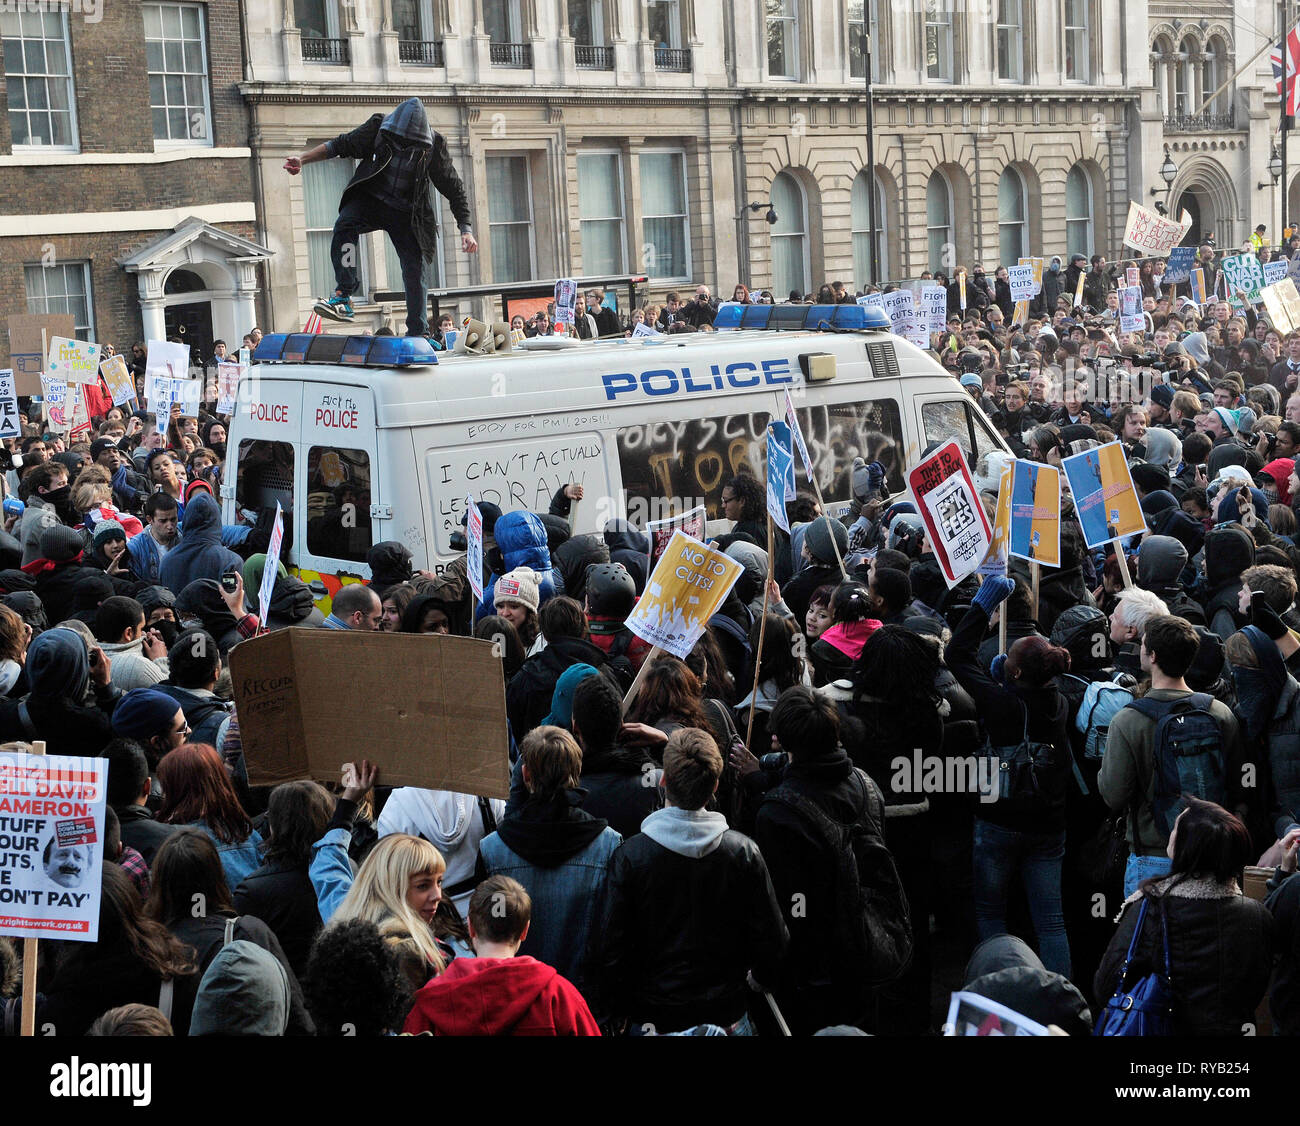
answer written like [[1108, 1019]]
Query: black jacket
[[204, 714], [368, 145], [528, 695], [281, 896], [680, 933], [614, 779], [141, 832], [1220, 954]]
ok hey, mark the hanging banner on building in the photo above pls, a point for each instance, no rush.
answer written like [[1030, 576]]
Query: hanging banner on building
[[1034, 531], [1104, 498], [1151, 234], [955, 523]]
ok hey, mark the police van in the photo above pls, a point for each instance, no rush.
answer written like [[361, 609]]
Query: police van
[[363, 439]]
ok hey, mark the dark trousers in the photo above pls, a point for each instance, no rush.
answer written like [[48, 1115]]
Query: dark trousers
[[359, 216]]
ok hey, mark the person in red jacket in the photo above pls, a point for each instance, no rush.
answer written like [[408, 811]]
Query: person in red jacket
[[497, 993]]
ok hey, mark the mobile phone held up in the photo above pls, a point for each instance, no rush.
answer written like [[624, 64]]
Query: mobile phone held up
[[230, 583]]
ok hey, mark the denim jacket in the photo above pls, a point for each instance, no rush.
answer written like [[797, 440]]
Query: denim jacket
[[237, 860]]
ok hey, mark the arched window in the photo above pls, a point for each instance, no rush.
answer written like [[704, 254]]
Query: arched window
[[861, 219], [1078, 212], [938, 223], [1013, 209], [1184, 78], [1214, 69], [789, 237], [1161, 52]]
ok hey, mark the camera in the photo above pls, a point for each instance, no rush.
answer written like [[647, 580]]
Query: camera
[[775, 760]]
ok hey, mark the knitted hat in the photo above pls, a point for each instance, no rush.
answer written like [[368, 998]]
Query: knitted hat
[[1162, 395], [105, 530], [59, 543], [1229, 418], [99, 445], [970, 379], [818, 539], [143, 713], [520, 585]]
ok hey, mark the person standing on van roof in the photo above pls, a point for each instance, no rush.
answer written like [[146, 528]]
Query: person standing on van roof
[[400, 158]]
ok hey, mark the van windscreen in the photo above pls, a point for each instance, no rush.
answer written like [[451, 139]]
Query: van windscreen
[[338, 503], [264, 475]]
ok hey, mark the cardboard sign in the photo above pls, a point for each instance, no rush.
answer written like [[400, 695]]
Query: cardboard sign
[[10, 427], [683, 592], [1243, 272], [474, 547], [961, 289], [566, 300], [186, 392], [780, 475], [792, 421], [310, 700], [117, 377], [1151, 234], [995, 563], [661, 532], [1178, 267], [1020, 313], [955, 523], [51, 845], [1275, 306], [1034, 531], [973, 1014], [27, 348], [1132, 277], [1286, 289], [1130, 310], [73, 361], [642, 330], [1078, 290], [1104, 498], [165, 361], [270, 567], [934, 308], [78, 414], [1022, 282], [228, 378]]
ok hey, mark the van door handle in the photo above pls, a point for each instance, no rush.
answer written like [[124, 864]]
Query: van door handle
[[317, 588]]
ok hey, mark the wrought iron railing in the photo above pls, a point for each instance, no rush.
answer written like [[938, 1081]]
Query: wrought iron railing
[[424, 52], [318, 50], [511, 54], [593, 58], [673, 58]]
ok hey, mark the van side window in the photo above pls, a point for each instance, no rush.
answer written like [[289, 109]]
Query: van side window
[[959, 421], [338, 503], [264, 476], [871, 429]]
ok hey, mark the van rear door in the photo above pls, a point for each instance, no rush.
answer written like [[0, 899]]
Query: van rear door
[[265, 457]]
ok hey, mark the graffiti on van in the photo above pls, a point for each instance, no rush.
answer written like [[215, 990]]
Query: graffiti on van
[[696, 457], [332, 584]]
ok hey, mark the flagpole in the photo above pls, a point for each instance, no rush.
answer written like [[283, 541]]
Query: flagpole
[[1282, 126]]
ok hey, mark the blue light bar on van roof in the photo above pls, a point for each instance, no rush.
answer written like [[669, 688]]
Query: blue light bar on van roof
[[362, 351], [789, 318]]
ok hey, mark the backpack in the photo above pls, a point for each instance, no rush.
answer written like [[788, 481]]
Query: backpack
[[1022, 772], [1187, 754], [873, 930], [1102, 700]]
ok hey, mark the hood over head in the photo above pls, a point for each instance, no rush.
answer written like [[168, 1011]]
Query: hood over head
[[1078, 630], [58, 665], [410, 122], [574, 556], [1229, 550], [390, 565], [202, 522], [1004, 969], [244, 992], [1161, 560]]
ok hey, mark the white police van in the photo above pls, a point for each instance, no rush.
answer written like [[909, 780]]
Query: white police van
[[363, 439]]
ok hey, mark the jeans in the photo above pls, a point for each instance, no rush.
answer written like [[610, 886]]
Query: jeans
[[999, 854], [1139, 868], [359, 216]]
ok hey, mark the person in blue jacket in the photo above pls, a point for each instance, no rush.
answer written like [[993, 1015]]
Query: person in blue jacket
[[521, 542]]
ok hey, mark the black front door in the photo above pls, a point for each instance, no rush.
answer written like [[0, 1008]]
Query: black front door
[[192, 325]]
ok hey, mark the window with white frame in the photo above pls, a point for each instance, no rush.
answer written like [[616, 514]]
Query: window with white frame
[[1078, 213], [782, 39], [322, 185], [587, 22], [860, 211], [38, 78], [938, 222], [1013, 221], [317, 19], [600, 212], [413, 20], [1078, 49], [665, 224], [1215, 66], [1160, 52], [857, 28], [510, 218], [501, 21], [790, 270], [176, 54], [64, 288], [938, 40], [663, 23], [1010, 41], [1184, 78]]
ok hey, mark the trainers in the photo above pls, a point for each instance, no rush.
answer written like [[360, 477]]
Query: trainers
[[337, 308]]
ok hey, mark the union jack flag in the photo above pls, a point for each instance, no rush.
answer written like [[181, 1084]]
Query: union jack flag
[[313, 324], [1291, 48]]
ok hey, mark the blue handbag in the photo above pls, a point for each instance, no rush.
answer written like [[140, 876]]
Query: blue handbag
[[1147, 1008]]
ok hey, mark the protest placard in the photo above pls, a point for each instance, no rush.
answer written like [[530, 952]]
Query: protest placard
[[54, 392], [10, 427], [1130, 310], [1274, 272], [228, 379], [898, 305], [995, 563], [78, 414], [642, 330], [1132, 277], [164, 361], [474, 546], [1278, 314], [961, 289], [687, 586], [566, 299], [28, 347], [117, 377], [934, 308], [1037, 264], [1022, 282], [51, 845], [874, 300], [796, 431], [956, 526], [780, 474], [1286, 288], [661, 531], [73, 361], [186, 392], [271, 566], [1178, 266], [1034, 531], [1153, 235], [440, 701], [1020, 314], [973, 1014], [1243, 273], [1197, 284], [1104, 498]]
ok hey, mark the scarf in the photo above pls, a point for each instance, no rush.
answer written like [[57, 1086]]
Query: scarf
[[40, 566]]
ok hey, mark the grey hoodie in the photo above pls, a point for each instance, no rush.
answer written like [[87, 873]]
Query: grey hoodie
[[688, 832], [409, 121], [245, 992], [1195, 346]]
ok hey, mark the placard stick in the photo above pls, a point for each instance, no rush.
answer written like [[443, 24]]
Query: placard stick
[[573, 515], [635, 686], [1002, 628], [1123, 566], [1034, 577], [762, 631], [30, 947]]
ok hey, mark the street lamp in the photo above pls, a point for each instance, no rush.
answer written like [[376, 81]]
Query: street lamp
[[771, 215], [1274, 168], [1168, 173]]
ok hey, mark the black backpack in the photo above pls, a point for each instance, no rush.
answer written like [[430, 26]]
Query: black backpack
[[873, 931]]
